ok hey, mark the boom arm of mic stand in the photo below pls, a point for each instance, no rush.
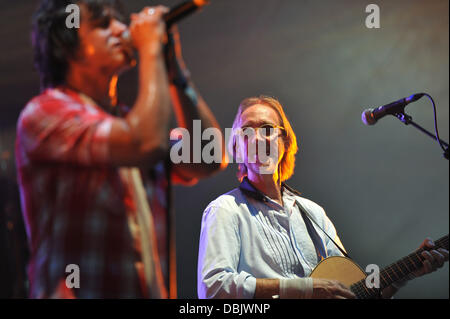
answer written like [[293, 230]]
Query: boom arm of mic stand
[[406, 119]]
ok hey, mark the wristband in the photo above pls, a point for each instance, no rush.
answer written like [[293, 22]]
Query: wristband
[[296, 288]]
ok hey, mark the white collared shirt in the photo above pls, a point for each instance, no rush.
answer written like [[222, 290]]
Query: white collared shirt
[[243, 239]]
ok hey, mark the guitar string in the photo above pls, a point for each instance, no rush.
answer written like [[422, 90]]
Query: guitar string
[[360, 288], [411, 261]]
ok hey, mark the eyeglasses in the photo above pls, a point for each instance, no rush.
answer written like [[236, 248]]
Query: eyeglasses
[[267, 131]]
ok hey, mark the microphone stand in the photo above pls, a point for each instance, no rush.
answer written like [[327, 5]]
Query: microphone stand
[[406, 119]]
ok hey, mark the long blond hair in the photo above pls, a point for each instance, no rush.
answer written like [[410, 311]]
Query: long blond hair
[[287, 163]]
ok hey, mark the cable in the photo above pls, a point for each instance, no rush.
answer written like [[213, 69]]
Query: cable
[[435, 122]]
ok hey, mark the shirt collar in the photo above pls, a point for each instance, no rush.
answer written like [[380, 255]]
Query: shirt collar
[[288, 193], [248, 189]]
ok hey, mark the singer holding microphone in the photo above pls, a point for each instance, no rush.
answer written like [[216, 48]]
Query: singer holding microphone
[[94, 175]]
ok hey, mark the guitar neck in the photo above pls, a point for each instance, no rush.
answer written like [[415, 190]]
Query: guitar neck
[[396, 271]]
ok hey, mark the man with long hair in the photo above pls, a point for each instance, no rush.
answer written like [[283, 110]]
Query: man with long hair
[[94, 175]]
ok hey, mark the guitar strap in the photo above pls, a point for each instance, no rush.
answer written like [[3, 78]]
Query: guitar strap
[[309, 218], [304, 212], [319, 245]]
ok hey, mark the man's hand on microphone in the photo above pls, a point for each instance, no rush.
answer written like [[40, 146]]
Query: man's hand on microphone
[[147, 30]]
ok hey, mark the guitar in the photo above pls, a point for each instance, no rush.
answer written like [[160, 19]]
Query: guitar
[[349, 273]]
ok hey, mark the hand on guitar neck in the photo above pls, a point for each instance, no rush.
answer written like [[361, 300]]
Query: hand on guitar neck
[[433, 258]]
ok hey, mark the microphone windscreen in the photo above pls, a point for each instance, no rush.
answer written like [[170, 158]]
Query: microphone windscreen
[[367, 117]]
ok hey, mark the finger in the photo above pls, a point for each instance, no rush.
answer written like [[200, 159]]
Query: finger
[[427, 267], [430, 261], [154, 12], [150, 11], [345, 292], [163, 9], [444, 253], [426, 254], [428, 243], [425, 243], [342, 285], [145, 10], [438, 258]]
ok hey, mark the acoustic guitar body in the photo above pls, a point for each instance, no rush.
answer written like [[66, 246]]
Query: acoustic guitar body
[[350, 274], [339, 268]]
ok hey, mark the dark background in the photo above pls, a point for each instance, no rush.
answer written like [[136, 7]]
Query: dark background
[[385, 187]]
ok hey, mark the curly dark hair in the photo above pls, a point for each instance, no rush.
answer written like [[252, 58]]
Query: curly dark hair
[[54, 43]]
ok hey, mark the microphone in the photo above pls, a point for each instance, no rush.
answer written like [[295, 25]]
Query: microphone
[[371, 116], [183, 10], [176, 14]]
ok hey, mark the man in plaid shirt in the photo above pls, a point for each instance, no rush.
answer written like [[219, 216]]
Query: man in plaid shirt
[[82, 158]]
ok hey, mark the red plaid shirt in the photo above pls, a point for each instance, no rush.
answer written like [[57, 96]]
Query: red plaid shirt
[[77, 207]]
